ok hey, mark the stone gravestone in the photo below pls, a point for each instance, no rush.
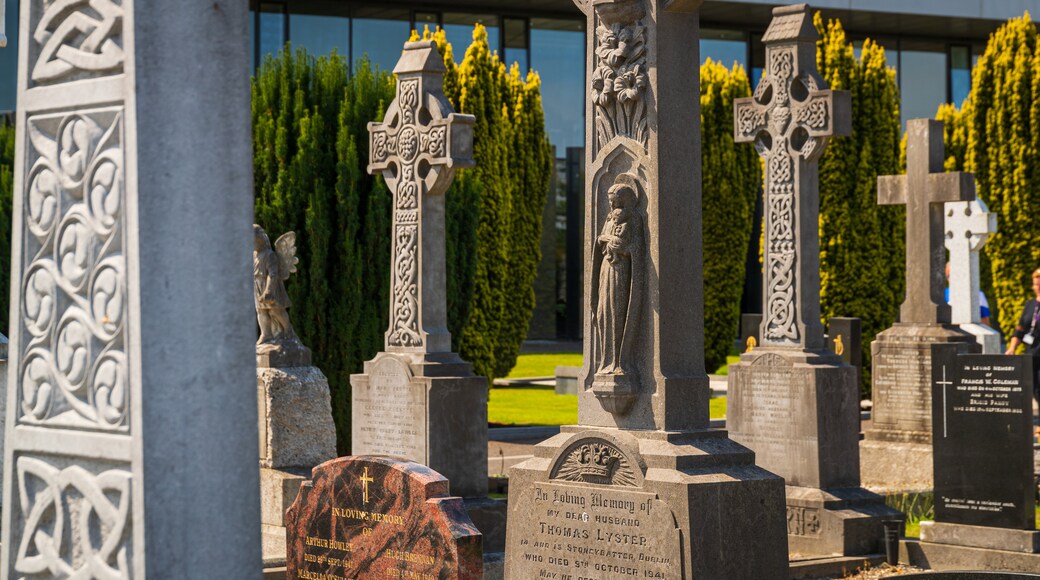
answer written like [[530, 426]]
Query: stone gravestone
[[792, 400], [845, 339], [968, 226], [641, 487], [295, 408], [897, 451], [130, 444], [985, 492], [417, 399], [379, 517]]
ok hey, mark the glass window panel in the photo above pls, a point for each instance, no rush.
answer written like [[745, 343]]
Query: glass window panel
[[458, 27], [724, 46], [558, 54], [320, 34], [960, 73], [9, 58], [272, 28], [516, 33], [922, 83], [758, 60], [380, 33]]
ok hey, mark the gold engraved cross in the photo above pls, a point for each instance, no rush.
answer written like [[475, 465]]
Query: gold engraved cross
[[365, 480]]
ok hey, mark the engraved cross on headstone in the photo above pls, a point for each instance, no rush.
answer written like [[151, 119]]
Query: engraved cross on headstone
[[923, 190], [968, 226], [790, 118], [417, 148]]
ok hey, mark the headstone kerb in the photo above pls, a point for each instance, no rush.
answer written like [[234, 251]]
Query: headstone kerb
[[790, 119], [924, 189], [417, 148]]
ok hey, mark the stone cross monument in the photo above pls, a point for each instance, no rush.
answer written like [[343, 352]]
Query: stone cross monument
[[643, 393], [418, 400], [792, 400], [968, 226], [131, 434], [896, 453]]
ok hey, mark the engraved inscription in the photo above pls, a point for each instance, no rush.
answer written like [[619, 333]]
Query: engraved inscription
[[902, 393], [391, 413], [803, 521], [595, 533], [72, 362]]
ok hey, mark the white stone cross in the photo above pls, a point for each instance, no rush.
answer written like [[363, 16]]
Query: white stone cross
[[417, 148], [790, 120], [923, 190], [968, 226]]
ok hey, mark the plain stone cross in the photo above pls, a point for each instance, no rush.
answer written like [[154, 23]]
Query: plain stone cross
[[417, 148], [923, 190], [968, 226], [790, 120]]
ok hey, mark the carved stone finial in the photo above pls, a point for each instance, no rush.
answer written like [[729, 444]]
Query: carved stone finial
[[278, 345]]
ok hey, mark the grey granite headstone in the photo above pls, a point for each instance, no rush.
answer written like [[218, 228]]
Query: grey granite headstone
[[641, 487], [968, 226], [793, 400], [896, 453], [417, 399], [131, 437]]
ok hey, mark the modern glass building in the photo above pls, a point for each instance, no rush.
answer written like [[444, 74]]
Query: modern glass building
[[932, 46]]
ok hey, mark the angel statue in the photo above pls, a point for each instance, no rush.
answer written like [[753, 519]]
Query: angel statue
[[271, 268]]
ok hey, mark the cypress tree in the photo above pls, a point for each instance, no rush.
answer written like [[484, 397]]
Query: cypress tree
[[862, 256], [1003, 140], [7, 140], [732, 179]]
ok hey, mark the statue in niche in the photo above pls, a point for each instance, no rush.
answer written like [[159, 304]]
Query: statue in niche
[[619, 271], [278, 345]]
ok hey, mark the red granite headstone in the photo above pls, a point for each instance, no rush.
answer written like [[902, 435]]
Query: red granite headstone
[[380, 517]]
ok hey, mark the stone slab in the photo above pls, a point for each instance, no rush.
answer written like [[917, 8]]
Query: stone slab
[[402, 409], [832, 566], [944, 557], [879, 461], [367, 517], [836, 521], [799, 413], [567, 380], [608, 503], [1027, 541], [296, 426], [983, 439]]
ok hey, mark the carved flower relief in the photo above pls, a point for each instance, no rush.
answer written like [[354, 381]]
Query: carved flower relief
[[630, 84], [603, 86]]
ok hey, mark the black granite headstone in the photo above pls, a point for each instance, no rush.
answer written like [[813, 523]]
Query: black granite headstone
[[982, 425], [844, 339], [749, 327]]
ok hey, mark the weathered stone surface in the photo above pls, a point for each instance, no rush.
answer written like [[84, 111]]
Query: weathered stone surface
[[567, 380], [296, 427], [130, 447], [588, 505], [968, 225], [368, 517], [836, 521], [278, 489], [1027, 541], [937, 556]]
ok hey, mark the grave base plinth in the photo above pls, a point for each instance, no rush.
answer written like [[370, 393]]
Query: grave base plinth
[[1011, 540], [665, 504], [278, 489], [941, 557], [896, 453], [838, 521], [427, 408]]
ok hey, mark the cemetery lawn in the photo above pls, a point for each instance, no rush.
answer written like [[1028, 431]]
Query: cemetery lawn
[[542, 365], [724, 369], [540, 405]]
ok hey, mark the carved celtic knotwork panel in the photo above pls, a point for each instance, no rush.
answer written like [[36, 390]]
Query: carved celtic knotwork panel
[[596, 461], [76, 522], [619, 82], [72, 363], [76, 39]]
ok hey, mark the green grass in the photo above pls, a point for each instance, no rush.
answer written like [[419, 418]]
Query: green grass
[[540, 405], [724, 369], [542, 365]]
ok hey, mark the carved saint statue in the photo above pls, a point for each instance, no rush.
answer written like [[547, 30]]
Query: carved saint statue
[[619, 266], [271, 268]]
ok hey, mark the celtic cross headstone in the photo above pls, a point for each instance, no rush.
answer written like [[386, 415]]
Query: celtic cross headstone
[[790, 120], [968, 225], [896, 453], [642, 391], [131, 434], [418, 400], [792, 399]]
